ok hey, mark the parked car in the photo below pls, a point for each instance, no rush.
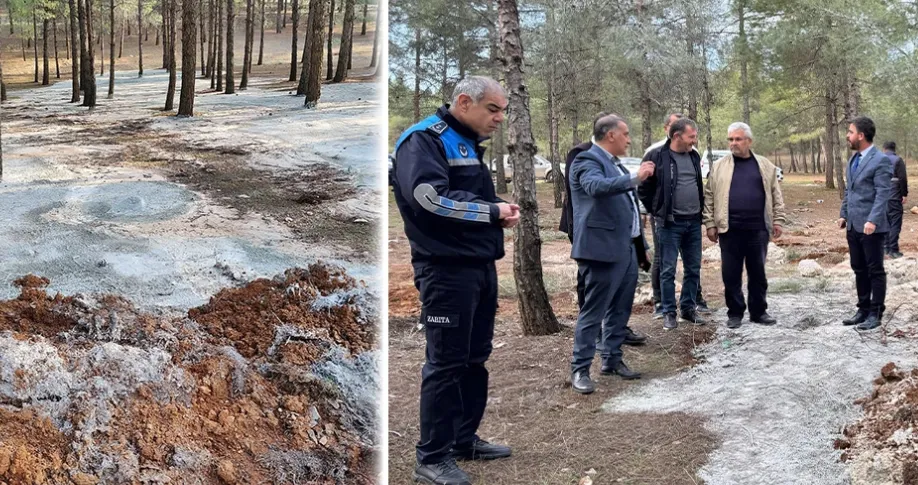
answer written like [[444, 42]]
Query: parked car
[[539, 163]]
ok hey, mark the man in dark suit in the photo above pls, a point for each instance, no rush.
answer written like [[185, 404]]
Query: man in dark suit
[[607, 235], [566, 225], [898, 195], [863, 211]]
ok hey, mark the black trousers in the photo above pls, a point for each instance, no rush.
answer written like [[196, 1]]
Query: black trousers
[[869, 273], [747, 248], [458, 308], [894, 213]]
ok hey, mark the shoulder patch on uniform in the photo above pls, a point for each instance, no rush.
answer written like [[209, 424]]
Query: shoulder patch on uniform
[[463, 150], [438, 127]]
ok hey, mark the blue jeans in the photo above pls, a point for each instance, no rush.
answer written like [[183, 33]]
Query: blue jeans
[[680, 237]]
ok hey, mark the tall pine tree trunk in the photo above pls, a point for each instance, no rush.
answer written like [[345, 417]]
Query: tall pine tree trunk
[[35, 36], [307, 48], [2, 98], [89, 69], [363, 25], [497, 146], [111, 50], [261, 43], [744, 60], [344, 49], [375, 43], [330, 64], [75, 56], [277, 22], [312, 68], [244, 82], [347, 35], [536, 315], [230, 30], [829, 146], [45, 74], [212, 39], [139, 39], [220, 42], [252, 37], [202, 28], [295, 21], [170, 91], [186, 99], [57, 62]]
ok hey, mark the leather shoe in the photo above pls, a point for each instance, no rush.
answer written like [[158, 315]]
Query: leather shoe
[[858, 318], [581, 382], [481, 450], [634, 338], [872, 322], [895, 255], [669, 321], [657, 311], [446, 472], [702, 307], [621, 369], [764, 319], [734, 322]]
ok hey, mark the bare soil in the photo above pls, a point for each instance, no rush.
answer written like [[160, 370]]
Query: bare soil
[[235, 412]]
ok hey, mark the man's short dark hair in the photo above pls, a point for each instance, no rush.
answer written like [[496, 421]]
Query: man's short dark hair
[[680, 125], [866, 126], [890, 145], [605, 124], [677, 114]]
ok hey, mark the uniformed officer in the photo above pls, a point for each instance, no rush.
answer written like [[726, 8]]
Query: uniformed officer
[[454, 222]]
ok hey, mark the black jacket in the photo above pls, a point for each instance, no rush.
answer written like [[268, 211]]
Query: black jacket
[[899, 178], [567, 213], [656, 193], [435, 228]]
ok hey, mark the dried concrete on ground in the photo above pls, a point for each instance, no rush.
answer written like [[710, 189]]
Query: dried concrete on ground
[[779, 396]]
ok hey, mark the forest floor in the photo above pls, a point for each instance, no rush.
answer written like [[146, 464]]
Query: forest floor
[[719, 406], [204, 305]]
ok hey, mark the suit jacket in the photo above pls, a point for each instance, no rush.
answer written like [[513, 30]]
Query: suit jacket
[[867, 192], [603, 210], [566, 224]]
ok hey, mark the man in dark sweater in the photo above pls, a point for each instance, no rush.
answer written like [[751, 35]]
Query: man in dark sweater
[[744, 207], [897, 198]]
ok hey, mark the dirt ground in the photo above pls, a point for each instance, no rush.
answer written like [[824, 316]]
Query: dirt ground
[[178, 327], [553, 430], [242, 390]]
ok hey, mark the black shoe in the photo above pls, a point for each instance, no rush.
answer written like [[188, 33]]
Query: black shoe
[[634, 338], [734, 322], [446, 472], [895, 255], [621, 369], [669, 321], [693, 318], [481, 450], [658, 311], [702, 307], [857, 319], [581, 382], [872, 322], [764, 319]]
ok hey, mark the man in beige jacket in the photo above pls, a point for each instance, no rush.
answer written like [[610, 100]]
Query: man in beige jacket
[[743, 208]]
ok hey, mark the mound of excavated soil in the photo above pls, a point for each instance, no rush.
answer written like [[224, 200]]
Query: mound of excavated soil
[[882, 448], [274, 382]]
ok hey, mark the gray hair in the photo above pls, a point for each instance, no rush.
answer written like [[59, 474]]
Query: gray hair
[[476, 87], [739, 125], [605, 124]]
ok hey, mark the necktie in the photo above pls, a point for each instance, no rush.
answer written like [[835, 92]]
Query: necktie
[[857, 160]]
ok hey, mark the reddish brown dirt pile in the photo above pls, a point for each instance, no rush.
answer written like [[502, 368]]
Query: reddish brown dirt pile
[[247, 316], [221, 407], [34, 311], [882, 444]]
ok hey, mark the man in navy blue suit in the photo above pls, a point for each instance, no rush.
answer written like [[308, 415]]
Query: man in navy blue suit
[[863, 211], [607, 235]]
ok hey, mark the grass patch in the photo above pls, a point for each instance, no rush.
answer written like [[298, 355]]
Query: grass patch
[[792, 255], [788, 285], [822, 284]]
